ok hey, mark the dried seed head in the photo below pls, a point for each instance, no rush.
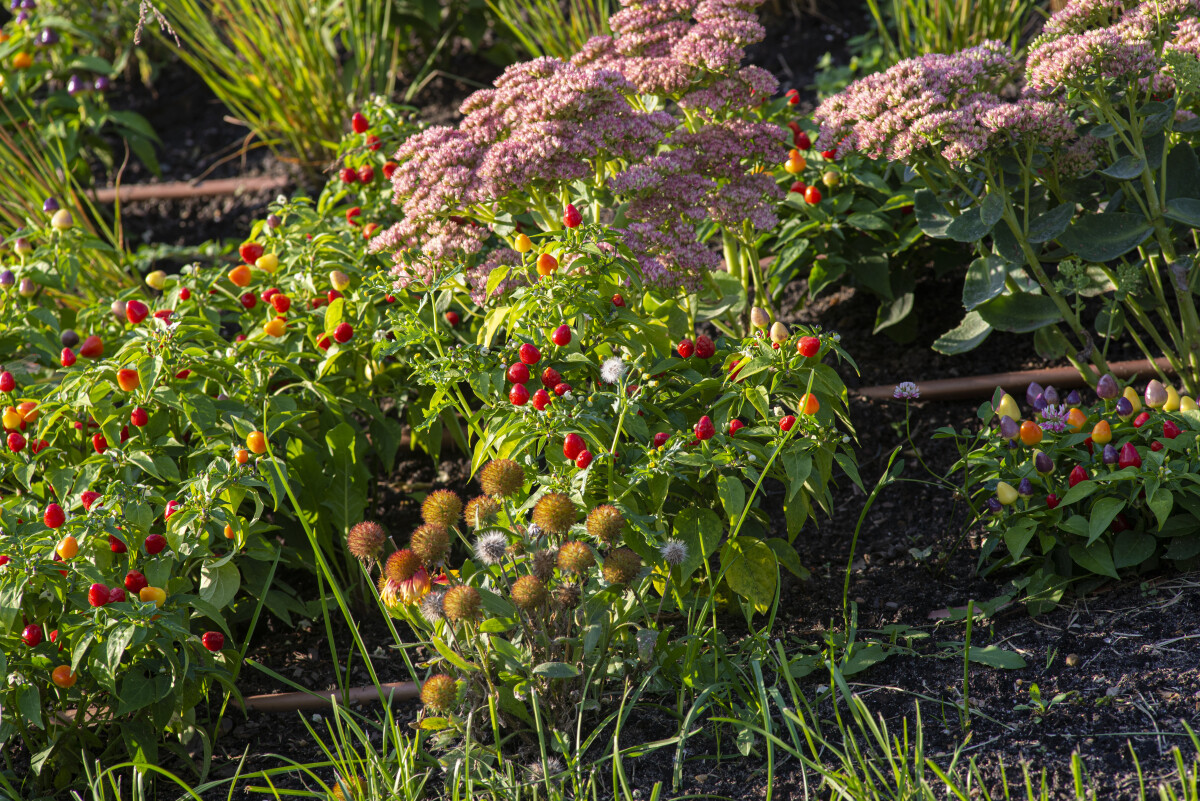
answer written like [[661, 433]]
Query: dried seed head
[[621, 566], [491, 547], [575, 557], [555, 513], [440, 693], [528, 592], [431, 606], [443, 507], [566, 596], [674, 552], [543, 564], [402, 565], [481, 511], [605, 524], [366, 539], [461, 603], [502, 477], [431, 542]]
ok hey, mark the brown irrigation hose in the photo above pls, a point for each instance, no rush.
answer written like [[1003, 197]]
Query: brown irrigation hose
[[302, 702], [296, 702], [177, 190], [981, 386]]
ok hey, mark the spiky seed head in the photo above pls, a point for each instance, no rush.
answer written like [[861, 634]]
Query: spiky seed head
[[402, 565], [354, 786], [481, 511], [461, 603], [575, 557], [555, 513], [502, 477], [566, 596], [431, 542], [605, 524], [491, 547], [431, 606], [443, 507], [440, 693], [365, 540], [543, 563], [528, 592], [553, 768], [621, 566], [674, 552]]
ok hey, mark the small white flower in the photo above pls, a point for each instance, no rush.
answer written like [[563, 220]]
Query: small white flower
[[491, 546], [846, 440], [316, 718], [378, 336], [613, 370], [837, 337]]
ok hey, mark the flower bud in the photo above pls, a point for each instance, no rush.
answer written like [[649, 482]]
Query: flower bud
[[1156, 394], [1106, 387], [759, 318], [779, 332]]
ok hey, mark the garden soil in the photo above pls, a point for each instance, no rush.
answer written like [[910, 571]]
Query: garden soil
[[1122, 661]]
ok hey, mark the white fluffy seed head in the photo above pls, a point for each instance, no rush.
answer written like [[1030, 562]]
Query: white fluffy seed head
[[674, 552], [491, 547]]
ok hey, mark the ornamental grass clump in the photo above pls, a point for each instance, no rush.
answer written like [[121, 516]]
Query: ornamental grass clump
[[654, 126], [1073, 173]]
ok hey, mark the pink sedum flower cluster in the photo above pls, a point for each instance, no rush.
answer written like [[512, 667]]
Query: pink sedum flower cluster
[[546, 124], [955, 106]]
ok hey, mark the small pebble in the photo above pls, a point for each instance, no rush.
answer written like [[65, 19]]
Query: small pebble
[[1072, 660]]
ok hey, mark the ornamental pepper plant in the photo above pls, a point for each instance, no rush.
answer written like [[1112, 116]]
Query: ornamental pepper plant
[[596, 382], [1075, 493], [143, 521]]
